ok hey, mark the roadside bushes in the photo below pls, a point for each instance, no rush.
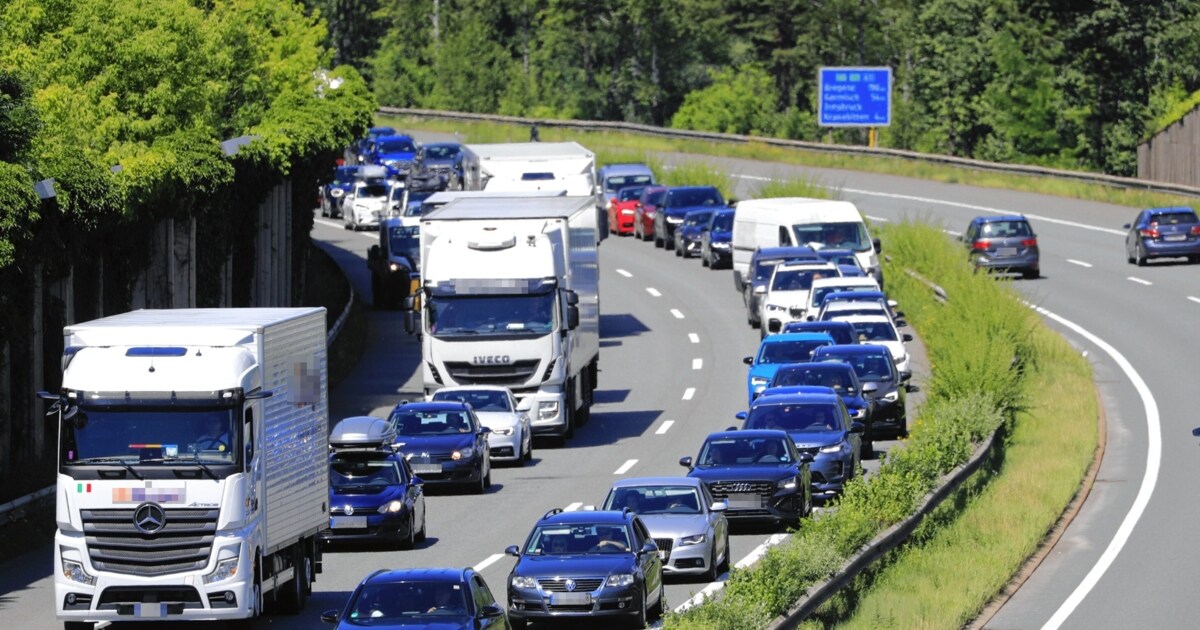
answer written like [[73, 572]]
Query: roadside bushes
[[978, 343]]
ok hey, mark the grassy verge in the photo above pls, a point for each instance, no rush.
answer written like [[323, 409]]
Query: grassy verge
[[991, 369], [629, 146]]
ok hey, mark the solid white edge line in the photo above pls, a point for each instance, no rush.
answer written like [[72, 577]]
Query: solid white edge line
[[489, 562], [879, 219], [677, 313], [666, 426], [624, 273], [1079, 262], [652, 291], [688, 393], [373, 235], [1149, 478], [573, 507], [694, 338], [1194, 299], [751, 558], [625, 467], [697, 364], [1139, 280]]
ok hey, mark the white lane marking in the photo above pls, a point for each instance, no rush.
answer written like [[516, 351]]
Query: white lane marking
[[952, 233], [677, 313], [694, 337], [1149, 478], [697, 364], [666, 426], [880, 219], [489, 562], [573, 507], [1079, 262], [1139, 281], [625, 467], [1194, 299], [624, 273], [374, 236], [751, 558], [688, 393], [653, 291]]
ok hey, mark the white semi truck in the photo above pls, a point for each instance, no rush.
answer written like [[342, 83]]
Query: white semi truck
[[510, 296], [193, 464]]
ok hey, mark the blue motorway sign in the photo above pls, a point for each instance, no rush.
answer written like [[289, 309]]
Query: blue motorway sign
[[854, 97]]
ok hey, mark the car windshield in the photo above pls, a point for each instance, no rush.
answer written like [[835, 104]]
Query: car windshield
[[631, 193], [373, 190], [1173, 218], [818, 293], [722, 222], [697, 218], [1004, 229], [694, 197], [441, 151], [874, 331], [788, 351], [655, 198], [655, 499], [386, 603], [415, 423], [577, 539], [349, 471], [847, 235], [404, 239], [479, 399], [397, 146], [491, 314], [795, 418], [744, 451], [789, 376], [841, 259], [151, 435], [868, 368], [798, 279], [617, 182]]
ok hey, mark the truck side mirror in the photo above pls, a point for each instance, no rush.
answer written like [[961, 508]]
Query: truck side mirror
[[572, 298], [412, 321], [373, 254], [572, 317]]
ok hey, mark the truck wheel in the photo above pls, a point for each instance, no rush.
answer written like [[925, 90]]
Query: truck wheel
[[292, 598]]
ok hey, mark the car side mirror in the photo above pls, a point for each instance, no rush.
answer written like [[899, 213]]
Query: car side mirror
[[512, 550], [906, 336], [748, 360], [485, 430], [870, 388], [741, 415], [330, 616], [903, 323], [525, 404], [491, 610], [718, 506], [905, 375], [899, 314], [650, 547], [857, 427], [806, 458], [1127, 226], [417, 481], [686, 462], [877, 245], [760, 290]]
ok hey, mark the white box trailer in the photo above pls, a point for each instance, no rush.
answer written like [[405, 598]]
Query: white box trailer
[[511, 297], [193, 464]]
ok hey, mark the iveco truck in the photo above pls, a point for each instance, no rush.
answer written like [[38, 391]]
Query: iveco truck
[[510, 296], [192, 464]]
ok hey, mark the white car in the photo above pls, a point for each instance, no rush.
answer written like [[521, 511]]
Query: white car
[[365, 204], [511, 437], [879, 330], [786, 298], [824, 286]]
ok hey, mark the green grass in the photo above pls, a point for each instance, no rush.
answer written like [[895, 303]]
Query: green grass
[[633, 144], [699, 174], [785, 186]]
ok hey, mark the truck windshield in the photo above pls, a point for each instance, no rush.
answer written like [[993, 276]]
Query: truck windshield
[[491, 314], [404, 240], [151, 435]]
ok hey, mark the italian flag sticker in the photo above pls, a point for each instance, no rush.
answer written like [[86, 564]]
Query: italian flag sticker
[[83, 488]]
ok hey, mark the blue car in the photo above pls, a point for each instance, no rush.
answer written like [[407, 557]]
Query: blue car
[[886, 387], [843, 333], [838, 376], [762, 264], [759, 474], [716, 240], [816, 420], [441, 599], [679, 201], [332, 192], [395, 153], [688, 234], [1003, 243], [777, 350], [585, 565], [1163, 233], [360, 147], [444, 442], [373, 494]]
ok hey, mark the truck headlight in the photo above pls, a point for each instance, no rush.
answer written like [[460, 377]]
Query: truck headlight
[[619, 579], [698, 539], [391, 507], [523, 581], [227, 564], [547, 409], [75, 572], [462, 453]]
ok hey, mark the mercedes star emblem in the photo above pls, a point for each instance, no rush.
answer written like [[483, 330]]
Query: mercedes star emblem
[[149, 518]]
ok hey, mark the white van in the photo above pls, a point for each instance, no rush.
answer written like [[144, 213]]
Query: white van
[[797, 221]]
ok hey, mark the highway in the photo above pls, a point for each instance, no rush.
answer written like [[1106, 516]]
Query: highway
[[673, 355]]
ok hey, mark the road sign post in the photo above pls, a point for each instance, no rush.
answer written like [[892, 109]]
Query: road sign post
[[854, 97]]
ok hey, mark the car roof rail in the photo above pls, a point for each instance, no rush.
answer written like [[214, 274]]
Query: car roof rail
[[552, 512]]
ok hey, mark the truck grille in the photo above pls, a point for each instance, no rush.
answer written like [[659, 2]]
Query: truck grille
[[559, 585], [515, 373], [115, 544]]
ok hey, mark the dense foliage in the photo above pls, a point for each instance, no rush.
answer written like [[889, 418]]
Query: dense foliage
[[1075, 84]]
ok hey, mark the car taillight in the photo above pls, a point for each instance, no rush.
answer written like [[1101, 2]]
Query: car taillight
[[1150, 233], [1029, 242], [981, 244], [1195, 230]]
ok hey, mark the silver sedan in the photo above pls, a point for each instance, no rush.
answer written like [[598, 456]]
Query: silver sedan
[[687, 524]]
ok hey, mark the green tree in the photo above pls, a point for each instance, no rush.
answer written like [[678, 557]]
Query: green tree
[[740, 100]]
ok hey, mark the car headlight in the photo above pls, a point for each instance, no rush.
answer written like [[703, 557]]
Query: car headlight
[[336, 192], [226, 567], [857, 413], [391, 507], [786, 484], [776, 307], [759, 381], [891, 396], [675, 220], [719, 245], [840, 447], [462, 453], [75, 572], [692, 540], [619, 579], [503, 431], [523, 581], [547, 409]]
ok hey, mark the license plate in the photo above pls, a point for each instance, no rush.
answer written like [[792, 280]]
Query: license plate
[[1175, 237], [427, 469], [570, 599], [744, 501], [1006, 251], [349, 522], [150, 611]]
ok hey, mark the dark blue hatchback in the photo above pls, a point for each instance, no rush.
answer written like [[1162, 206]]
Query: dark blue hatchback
[[716, 240], [1163, 233], [441, 599], [444, 443], [759, 474]]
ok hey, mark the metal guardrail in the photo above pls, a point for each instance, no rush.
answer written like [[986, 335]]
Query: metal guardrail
[[685, 134]]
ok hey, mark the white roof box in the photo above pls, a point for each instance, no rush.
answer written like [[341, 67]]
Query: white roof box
[[372, 171], [362, 432]]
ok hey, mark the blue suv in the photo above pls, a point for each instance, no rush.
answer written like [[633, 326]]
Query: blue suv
[[586, 564], [759, 474], [776, 350], [396, 153], [441, 598], [679, 201], [688, 234], [716, 240], [818, 423], [444, 443]]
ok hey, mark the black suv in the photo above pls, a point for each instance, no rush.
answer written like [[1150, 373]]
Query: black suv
[[882, 384], [586, 564], [759, 473]]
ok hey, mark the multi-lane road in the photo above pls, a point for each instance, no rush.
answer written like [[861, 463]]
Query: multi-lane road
[[673, 334]]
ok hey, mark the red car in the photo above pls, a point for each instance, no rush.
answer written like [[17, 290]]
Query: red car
[[621, 209], [644, 211]]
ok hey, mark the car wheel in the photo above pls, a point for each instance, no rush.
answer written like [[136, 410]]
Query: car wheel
[[1032, 275], [705, 259], [1194, 259], [713, 570], [1140, 256], [517, 623], [679, 252], [669, 243], [423, 532], [487, 479], [639, 617], [656, 611], [410, 539], [658, 242], [1128, 255], [867, 451], [725, 561]]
